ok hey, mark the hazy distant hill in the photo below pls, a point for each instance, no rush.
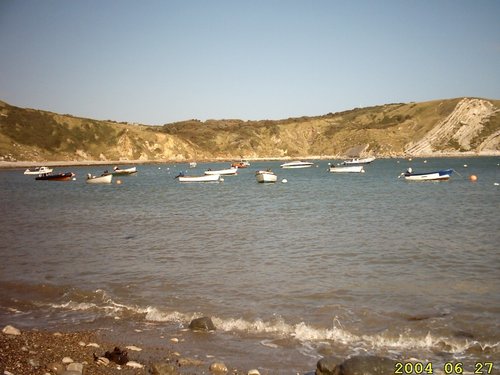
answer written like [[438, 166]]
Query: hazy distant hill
[[462, 125]]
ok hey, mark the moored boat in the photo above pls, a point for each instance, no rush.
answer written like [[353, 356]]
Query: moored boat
[[55, 177], [297, 164], [441, 175], [223, 172], [38, 170], [105, 178], [205, 178], [240, 164], [347, 169], [117, 171], [192, 164], [359, 161], [266, 176]]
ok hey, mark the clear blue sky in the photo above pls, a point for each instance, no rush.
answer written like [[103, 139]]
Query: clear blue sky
[[155, 62]]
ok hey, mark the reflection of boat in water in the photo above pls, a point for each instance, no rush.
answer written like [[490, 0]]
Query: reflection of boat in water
[[441, 175], [223, 172], [358, 161], [347, 169], [55, 177], [117, 171], [205, 178], [105, 178], [38, 170], [266, 176], [297, 164]]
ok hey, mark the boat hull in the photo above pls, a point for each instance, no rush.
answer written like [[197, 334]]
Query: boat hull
[[223, 172], [205, 178], [359, 161], [107, 179], [124, 172], [263, 177], [297, 165], [56, 177], [442, 175], [348, 169]]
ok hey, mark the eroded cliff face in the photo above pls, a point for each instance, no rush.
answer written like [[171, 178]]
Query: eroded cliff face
[[460, 131]]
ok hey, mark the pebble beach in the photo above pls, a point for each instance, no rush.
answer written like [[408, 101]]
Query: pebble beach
[[40, 352]]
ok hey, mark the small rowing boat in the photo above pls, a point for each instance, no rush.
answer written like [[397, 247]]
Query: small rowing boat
[[105, 178], [117, 171], [205, 178], [441, 175], [223, 172], [266, 176], [347, 169]]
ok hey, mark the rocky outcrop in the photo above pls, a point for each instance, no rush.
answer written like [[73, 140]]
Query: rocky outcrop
[[458, 130]]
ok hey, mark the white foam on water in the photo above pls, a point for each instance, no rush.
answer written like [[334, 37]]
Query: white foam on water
[[278, 327]]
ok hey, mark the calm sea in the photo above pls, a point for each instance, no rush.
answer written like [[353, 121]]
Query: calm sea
[[325, 264]]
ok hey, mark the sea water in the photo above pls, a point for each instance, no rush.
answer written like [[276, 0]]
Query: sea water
[[325, 264]]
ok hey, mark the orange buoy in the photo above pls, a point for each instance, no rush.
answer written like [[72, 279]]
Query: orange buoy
[[473, 178]]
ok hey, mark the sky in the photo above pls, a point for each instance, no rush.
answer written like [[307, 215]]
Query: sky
[[157, 62]]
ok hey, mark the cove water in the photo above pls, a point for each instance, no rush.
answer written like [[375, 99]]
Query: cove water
[[325, 264]]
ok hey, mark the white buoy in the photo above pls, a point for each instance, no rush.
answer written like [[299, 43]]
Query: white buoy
[[465, 165], [284, 181]]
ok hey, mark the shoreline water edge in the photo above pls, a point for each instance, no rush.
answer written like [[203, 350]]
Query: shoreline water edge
[[68, 163], [96, 352]]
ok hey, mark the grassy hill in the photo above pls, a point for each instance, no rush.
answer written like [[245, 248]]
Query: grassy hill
[[428, 128]]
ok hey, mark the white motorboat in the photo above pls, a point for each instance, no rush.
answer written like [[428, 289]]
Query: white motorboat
[[441, 175], [38, 170], [297, 164], [205, 178], [347, 169], [117, 171], [359, 161], [223, 172], [192, 164], [102, 179], [266, 176]]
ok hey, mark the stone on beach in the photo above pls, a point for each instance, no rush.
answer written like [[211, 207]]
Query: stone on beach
[[118, 356], [134, 364], [202, 324], [133, 348], [218, 368], [102, 361], [10, 330], [75, 366], [366, 365], [163, 369]]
